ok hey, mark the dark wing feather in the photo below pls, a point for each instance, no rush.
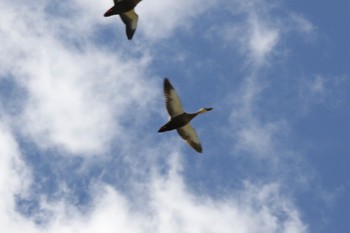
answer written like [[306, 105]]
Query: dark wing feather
[[188, 133], [172, 100], [130, 19]]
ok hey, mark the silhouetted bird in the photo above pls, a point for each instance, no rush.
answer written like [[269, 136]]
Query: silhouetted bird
[[179, 119], [125, 9]]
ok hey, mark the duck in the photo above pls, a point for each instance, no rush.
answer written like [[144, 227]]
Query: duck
[[125, 9], [179, 119]]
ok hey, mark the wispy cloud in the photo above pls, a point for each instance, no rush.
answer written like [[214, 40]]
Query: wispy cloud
[[255, 133], [262, 34], [318, 90], [302, 24]]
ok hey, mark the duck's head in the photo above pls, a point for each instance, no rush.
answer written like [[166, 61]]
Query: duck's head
[[203, 110]]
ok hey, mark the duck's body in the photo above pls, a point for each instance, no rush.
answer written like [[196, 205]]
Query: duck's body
[[122, 7], [125, 9], [176, 122], [179, 119]]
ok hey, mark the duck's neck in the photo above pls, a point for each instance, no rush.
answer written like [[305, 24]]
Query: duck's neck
[[193, 115]]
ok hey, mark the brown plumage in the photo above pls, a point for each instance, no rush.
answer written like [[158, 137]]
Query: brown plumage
[[125, 9], [179, 119]]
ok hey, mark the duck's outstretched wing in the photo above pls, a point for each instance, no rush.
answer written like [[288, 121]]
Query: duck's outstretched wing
[[188, 133], [130, 19], [172, 100]]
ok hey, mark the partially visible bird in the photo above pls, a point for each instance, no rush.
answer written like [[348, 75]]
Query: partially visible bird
[[125, 9], [179, 119]]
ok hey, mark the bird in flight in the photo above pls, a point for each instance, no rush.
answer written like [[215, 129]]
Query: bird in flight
[[125, 9], [179, 119]]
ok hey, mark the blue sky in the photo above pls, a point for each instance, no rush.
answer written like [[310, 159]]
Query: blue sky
[[80, 107]]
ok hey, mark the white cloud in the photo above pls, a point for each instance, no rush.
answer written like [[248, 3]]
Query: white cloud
[[262, 40], [166, 205], [76, 105], [254, 209], [159, 19], [75, 96]]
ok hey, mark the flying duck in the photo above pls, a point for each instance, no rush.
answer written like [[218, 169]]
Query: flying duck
[[125, 9], [179, 119]]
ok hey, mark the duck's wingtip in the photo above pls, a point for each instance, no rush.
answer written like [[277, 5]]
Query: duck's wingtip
[[110, 12], [162, 129], [167, 84]]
